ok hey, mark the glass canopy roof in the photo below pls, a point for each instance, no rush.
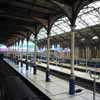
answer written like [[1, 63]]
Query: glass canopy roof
[[2, 46], [62, 25], [88, 16], [32, 37], [19, 48], [30, 45], [42, 33]]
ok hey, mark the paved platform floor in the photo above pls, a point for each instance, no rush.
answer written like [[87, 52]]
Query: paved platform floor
[[56, 89], [80, 74], [83, 75]]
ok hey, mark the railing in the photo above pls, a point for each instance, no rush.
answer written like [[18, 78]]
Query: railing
[[94, 74]]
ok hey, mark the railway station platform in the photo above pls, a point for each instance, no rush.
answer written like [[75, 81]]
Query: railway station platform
[[46, 44], [80, 74], [66, 70], [56, 89]]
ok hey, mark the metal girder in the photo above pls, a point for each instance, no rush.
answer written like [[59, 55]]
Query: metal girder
[[37, 12], [27, 27]]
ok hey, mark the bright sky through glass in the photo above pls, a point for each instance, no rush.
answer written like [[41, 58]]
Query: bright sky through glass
[[2, 46], [88, 16]]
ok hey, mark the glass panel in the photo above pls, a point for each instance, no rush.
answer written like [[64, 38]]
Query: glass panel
[[2, 46], [89, 16], [95, 37], [30, 46], [42, 33], [32, 37], [60, 26]]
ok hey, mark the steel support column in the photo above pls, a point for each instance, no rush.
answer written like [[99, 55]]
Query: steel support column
[[27, 55], [22, 53], [72, 76], [86, 58], [18, 54], [35, 55], [15, 52], [48, 59], [18, 51]]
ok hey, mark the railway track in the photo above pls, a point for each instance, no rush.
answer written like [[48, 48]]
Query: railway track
[[10, 82]]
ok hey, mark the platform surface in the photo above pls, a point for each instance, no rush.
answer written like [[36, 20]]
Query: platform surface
[[65, 70], [56, 89], [83, 75]]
